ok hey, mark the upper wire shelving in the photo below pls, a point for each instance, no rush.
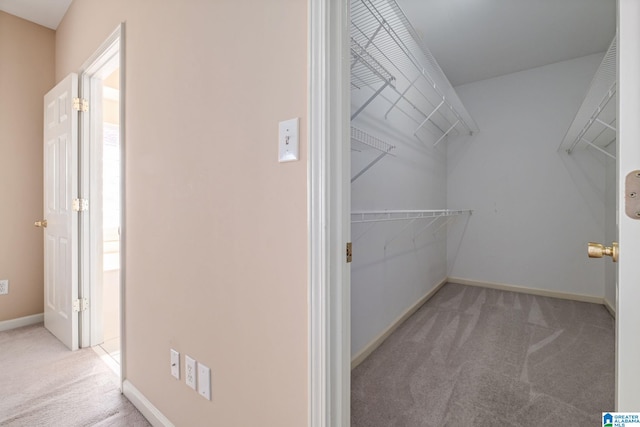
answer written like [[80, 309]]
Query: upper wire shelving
[[595, 122], [389, 58]]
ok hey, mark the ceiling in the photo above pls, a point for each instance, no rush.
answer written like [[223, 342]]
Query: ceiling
[[47, 13], [471, 39], [478, 39]]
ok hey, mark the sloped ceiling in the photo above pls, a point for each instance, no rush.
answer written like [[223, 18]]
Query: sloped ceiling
[[478, 39], [47, 13]]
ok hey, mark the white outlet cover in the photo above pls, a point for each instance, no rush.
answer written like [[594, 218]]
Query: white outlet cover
[[288, 140], [175, 364], [190, 371], [204, 381], [4, 287]]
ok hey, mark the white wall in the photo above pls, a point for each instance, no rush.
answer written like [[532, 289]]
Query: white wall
[[535, 208], [385, 282]]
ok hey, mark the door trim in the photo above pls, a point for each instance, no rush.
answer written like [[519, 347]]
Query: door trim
[[328, 214], [102, 55]]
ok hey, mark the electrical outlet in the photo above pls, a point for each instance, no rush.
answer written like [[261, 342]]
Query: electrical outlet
[[190, 371], [204, 381], [175, 364], [4, 287]]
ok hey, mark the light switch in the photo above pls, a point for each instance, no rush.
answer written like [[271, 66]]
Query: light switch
[[288, 140], [175, 364]]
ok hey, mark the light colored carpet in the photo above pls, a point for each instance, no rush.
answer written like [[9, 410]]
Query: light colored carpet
[[44, 384], [481, 357]]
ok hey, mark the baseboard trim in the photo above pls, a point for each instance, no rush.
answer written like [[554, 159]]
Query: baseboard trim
[[376, 342], [525, 290], [609, 306], [150, 412], [6, 325]]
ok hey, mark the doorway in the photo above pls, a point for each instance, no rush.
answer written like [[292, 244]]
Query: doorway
[[102, 183]]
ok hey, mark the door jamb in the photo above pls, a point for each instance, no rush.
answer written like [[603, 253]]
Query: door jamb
[[116, 40], [328, 214]]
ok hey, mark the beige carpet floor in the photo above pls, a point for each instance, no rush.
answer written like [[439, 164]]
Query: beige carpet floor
[[44, 384], [481, 357]]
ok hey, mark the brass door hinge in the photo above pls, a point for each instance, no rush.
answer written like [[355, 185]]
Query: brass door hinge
[[349, 251], [80, 305], [80, 104], [80, 205]]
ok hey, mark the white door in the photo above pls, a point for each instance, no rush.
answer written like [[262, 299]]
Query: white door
[[61, 230], [628, 298]]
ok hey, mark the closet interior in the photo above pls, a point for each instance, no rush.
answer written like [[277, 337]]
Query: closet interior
[[496, 182]]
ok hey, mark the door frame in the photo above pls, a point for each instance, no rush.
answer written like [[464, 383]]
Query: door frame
[[112, 46], [329, 205]]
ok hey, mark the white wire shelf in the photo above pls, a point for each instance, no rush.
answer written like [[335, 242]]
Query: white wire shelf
[[595, 122], [389, 58], [360, 137], [374, 217], [404, 215]]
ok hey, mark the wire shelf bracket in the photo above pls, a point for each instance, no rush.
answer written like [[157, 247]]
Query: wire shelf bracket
[[360, 136]]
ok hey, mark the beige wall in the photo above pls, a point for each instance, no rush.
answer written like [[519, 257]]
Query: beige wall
[[26, 74], [216, 251]]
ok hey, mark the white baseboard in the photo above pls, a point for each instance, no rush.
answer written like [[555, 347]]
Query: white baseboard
[[610, 307], [377, 341], [525, 290], [150, 412], [5, 325]]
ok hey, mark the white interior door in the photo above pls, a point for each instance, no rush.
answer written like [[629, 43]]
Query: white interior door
[[628, 297], [60, 233]]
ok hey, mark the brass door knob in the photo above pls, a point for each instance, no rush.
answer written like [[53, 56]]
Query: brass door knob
[[42, 223], [596, 250]]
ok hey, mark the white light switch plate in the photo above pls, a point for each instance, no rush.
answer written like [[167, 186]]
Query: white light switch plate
[[175, 364], [204, 381], [288, 140]]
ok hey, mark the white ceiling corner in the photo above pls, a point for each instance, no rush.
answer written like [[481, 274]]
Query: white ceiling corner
[[47, 13], [479, 39]]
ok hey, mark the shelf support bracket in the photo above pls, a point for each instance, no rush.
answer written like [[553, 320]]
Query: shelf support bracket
[[446, 133], [444, 224], [354, 115], [598, 148], [606, 125], [428, 117], [366, 168], [399, 232], [427, 226], [401, 95]]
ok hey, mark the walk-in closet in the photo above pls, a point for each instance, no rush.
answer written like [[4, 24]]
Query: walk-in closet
[[483, 162]]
